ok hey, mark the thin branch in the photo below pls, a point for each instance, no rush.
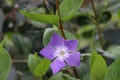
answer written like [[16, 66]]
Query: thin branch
[[60, 21], [97, 23], [19, 61]]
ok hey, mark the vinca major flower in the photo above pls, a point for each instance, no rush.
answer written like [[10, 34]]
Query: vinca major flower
[[62, 52]]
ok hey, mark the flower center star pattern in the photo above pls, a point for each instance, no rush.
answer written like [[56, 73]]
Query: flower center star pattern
[[62, 52]]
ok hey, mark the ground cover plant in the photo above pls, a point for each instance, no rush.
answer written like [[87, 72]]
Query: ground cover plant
[[59, 40]]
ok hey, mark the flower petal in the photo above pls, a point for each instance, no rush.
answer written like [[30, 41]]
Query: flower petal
[[56, 40], [73, 59], [48, 52], [71, 45], [56, 65]]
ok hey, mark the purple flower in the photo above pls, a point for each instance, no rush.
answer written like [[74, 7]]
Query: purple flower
[[62, 52]]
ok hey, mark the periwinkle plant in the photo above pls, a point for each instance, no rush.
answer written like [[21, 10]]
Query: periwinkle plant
[[62, 52]]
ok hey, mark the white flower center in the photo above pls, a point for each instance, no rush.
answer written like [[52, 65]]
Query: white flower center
[[61, 53]]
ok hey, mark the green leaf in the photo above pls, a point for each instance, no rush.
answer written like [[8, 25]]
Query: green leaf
[[114, 49], [98, 67], [87, 76], [68, 8], [119, 13], [33, 61], [92, 58], [38, 66], [42, 67], [106, 16], [57, 76], [113, 4], [44, 18], [5, 63], [113, 52], [113, 72], [23, 44], [83, 20], [61, 76], [48, 33]]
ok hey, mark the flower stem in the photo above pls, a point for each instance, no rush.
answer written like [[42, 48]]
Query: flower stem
[[62, 31], [60, 22], [75, 72], [97, 23]]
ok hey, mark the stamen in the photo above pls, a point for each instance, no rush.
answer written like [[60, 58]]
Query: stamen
[[62, 53]]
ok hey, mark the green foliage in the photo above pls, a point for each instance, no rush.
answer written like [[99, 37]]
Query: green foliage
[[5, 62], [112, 4], [48, 33], [98, 67], [114, 71], [68, 8], [113, 52], [23, 44], [44, 18], [105, 17], [38, 66], [119, 13], [61, 76]]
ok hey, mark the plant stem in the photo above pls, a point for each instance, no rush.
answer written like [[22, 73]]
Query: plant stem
[[97, 23], [75, 72], [62, 31], [19, 61], [60, 22]]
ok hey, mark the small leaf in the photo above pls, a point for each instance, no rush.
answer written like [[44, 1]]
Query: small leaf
[[57, 76], [114, 49], [23, 44], [113, 4], [87, 76], [68, 8], [44, 18], [119, 13], [61, 76], [5, 63], [113, 72], [83, 20], [37, 65], [92, 58], [33, 61], [98, 67], [42, 67], [105, 17], [47, 35]]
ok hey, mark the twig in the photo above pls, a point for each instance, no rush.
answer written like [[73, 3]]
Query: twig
[[62, 31], [19, 61], [60, 21], [97, 23]]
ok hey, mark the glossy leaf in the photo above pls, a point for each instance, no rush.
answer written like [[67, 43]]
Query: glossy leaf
[[98, 67], [113, 4], [113, 72], [44, 18], [83, 20], [33, 61], [119, 13], [42, 67], [68, 8], [105, 17], [5, 62], [38, 66], [61, 76], [23, 44]]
